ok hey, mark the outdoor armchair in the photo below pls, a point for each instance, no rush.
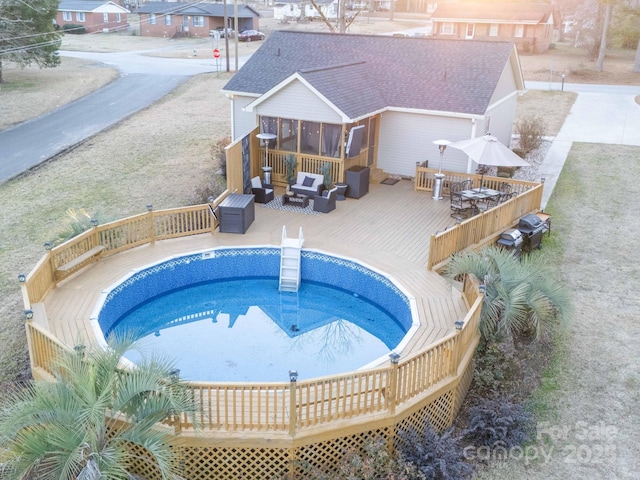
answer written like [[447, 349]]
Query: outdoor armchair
[[262, 191], [325, 204]]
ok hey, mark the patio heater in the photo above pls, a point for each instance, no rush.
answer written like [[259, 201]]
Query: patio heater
[[266, 169], [437, 186]]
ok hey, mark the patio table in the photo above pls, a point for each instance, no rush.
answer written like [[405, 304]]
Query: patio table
[[475, 195]]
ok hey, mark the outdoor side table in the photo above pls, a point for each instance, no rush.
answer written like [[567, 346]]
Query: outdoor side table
[[237, 212]]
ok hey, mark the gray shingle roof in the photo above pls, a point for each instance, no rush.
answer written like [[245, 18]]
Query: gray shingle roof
[[361, 74], [204, 9]]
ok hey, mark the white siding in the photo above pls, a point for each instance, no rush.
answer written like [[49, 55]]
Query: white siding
[[407, 138], [243, 122], [502, 116], [506, 84], [296, 101]]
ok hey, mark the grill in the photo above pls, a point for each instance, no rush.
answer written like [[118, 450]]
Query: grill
[[511, 240], [531, 227]]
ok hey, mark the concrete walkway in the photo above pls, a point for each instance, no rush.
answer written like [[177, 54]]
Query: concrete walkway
[[601, 114]]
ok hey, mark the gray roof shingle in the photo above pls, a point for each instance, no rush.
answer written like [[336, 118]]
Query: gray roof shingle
[[361, 74], [204, 9]]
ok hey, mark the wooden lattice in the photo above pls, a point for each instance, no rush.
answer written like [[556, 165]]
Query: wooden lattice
[[219, 463], [463, 386]]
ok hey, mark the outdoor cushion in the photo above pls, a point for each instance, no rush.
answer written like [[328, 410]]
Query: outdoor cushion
[[256, 183], [308, 182]]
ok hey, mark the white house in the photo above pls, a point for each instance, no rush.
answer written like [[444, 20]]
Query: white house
[[401, 93]]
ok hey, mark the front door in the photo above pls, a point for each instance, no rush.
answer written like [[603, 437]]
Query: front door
[[185, 23], [471, 30]]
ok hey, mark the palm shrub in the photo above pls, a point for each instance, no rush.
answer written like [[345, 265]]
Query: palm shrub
[[84, 424], [521, 297]]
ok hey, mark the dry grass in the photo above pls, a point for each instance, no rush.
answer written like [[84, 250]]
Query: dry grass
[[589, 403]]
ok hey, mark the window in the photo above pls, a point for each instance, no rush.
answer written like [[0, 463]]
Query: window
[[493, 30], [331, 140], [310, 138], [288, 137], [198, 21], [152, 19], [446, 28], [66, 16], [80, 17], [519, 31], [105, 17], [168, 20], [118, 17]]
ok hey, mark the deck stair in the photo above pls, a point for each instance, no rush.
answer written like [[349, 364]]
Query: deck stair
[[290, 261]]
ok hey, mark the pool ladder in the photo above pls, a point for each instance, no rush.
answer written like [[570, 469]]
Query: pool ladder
[[290, 261]]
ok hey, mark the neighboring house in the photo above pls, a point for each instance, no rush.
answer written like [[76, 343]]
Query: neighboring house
[[94, 16], [313, 89], [529, 25], [171, 19], [300, 9]]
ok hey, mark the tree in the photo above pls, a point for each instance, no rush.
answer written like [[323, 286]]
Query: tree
[[28, 34], [636, 63], [605, 31], [521, 297], [83, 425], [343, 21]]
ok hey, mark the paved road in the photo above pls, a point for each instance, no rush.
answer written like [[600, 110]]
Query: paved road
[[601, 114], [143, 81]]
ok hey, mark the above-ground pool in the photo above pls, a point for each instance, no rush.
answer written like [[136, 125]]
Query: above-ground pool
[[220, 315]]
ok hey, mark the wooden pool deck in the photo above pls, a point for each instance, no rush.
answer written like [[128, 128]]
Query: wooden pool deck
[[387, 229]]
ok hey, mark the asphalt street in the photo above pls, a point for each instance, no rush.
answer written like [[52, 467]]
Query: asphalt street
[[143, 80]]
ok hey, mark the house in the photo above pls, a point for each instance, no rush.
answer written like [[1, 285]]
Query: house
[[93, 15], [318, 92], [302, 9], [529, 25], [171, 19]]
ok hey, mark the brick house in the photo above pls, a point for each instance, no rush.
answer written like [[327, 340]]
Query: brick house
[[529, 25], [175, 19], [93, 15]]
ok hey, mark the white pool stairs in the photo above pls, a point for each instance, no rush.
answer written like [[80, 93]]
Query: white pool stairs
[[290, 261]]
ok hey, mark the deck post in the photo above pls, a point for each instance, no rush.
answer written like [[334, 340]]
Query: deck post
[[393, 382], [293, 409], [150, 232]]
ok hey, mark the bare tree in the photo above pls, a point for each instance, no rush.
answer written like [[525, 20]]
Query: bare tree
[[636, 63], [605, 31], [342, 21]]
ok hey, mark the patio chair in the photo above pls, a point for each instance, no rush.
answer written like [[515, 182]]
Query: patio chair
[[505, 187], [489, 203], [263, 192], [326, 202], [460, 206]]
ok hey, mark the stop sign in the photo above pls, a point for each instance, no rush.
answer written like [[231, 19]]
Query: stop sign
[[216, 53]]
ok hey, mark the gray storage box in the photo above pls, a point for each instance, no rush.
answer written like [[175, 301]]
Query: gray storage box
[[237, 212]]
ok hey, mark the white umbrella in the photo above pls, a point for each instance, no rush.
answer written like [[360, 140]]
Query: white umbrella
[[487, 150]]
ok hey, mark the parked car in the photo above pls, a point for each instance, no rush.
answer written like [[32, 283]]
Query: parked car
[[249, 35], [225, 32]]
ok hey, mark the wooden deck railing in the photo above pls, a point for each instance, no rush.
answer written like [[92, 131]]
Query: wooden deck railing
[[480, 229], [297, 408]]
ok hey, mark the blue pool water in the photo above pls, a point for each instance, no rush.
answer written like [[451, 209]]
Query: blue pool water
[[220, 315], [246, 330]]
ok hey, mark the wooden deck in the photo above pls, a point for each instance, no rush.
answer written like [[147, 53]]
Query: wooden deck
[[387, 229]]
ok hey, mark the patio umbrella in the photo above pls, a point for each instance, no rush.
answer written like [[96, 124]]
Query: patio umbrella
[[487, 150]]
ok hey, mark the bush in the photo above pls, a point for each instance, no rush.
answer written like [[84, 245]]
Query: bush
[[531, 130], [74, 29], [498, 423], [434, 456]]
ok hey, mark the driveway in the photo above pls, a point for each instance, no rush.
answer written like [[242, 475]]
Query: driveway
[[601, 114]]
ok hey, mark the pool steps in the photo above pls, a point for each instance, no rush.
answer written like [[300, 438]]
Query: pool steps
[[290, 261]]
